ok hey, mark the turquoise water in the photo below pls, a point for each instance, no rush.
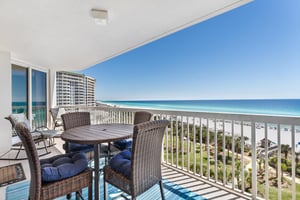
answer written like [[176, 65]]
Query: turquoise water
[[39, 111], [283, 107]]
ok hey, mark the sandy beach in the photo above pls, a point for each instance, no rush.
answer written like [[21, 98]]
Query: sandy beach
[[272, 133]]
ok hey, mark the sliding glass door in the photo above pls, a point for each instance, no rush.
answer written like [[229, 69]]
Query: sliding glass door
[[19, 90], [30, 98], [39, 97]]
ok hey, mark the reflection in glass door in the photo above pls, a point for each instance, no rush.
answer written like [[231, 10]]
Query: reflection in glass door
[[19, 90], [39, 96], [38, 91]]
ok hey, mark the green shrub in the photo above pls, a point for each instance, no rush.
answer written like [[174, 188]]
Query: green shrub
[[298, 171]]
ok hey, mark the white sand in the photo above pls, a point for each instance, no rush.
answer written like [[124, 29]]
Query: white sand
[[272, 132]]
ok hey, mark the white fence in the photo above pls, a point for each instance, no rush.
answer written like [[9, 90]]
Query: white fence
[[227, 149]]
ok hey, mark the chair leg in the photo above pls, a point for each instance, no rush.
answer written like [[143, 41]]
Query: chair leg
[[161, 190], [79, 195], [51, 142], [90, 192], [19, 151], [46, 148], [69, 196], [105, 190]]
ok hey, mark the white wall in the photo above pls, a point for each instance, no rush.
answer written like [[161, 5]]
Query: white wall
[[6, 95], [5, 101], [52, 88]]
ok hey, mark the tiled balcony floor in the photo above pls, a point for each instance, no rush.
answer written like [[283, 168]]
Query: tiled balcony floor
[[194, 184]]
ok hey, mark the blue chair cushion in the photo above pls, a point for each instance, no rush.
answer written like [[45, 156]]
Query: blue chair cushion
[[74, 147], [123, 144], [63, 166], [121, 163]]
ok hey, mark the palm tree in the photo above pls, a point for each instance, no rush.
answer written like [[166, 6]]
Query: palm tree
[[238, 173], [283, 168], [285, 148], [238, 145], [249, 179], [297, 158], [220, 174], [228, 144], [274, 161], [260, 162], [220, 141]]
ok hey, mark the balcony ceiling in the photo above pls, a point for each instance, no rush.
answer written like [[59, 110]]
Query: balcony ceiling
[[62, 34]]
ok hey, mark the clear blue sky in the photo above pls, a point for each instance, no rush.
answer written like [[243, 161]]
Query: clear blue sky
[[248, 53]]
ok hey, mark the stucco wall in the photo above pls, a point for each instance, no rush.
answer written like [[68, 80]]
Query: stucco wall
[[5, 101]]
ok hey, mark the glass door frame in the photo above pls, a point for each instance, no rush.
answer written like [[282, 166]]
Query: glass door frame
[[29, 87]]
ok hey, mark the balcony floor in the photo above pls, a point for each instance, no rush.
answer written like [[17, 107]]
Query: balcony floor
[[198, 185], [193, 183]]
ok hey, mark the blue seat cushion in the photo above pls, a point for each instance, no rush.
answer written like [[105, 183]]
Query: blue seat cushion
[[74, 147], [121, 163], [63, 166], [123, 144]]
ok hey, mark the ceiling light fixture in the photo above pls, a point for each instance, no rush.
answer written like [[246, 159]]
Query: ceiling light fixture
[[100, 16]]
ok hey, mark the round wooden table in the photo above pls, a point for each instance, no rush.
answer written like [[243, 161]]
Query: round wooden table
[[97, 134]]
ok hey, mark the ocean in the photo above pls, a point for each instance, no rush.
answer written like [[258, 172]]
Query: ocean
[[277, 107], [274, 107], [39, 111]]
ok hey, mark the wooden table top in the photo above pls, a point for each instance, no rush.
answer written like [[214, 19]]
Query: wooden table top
[[98, 133]]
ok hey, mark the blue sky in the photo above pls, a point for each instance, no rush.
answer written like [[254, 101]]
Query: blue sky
[[252, 52]]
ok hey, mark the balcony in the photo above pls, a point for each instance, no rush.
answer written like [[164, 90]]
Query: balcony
[[236, 161], [178, 177], [225, 166]]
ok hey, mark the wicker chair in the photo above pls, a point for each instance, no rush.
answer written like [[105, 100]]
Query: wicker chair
[[72, 120], [139, 117], [145, 161], [75, 119], [40, 190]]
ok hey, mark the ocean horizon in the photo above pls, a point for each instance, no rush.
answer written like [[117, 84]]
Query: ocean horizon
[[276, 107]]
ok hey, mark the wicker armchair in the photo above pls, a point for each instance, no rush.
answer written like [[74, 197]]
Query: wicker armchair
[[75, 119], [72, 120], [40, 190], [145, 161], [139, 117]]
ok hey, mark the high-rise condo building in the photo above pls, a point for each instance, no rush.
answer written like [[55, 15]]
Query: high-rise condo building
[[75, 89]]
